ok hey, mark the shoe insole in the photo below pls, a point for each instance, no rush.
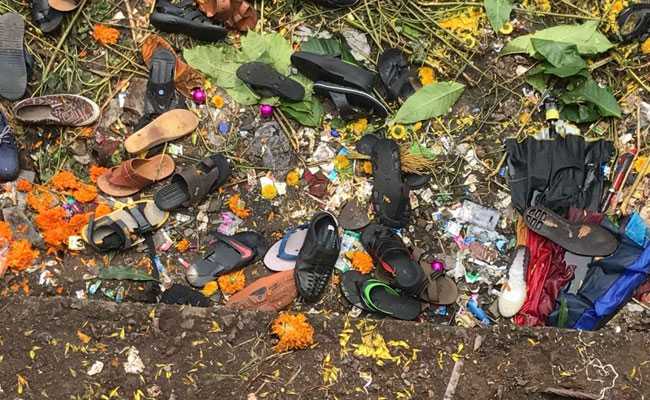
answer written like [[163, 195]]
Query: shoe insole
[[400, 307], [13, 71]]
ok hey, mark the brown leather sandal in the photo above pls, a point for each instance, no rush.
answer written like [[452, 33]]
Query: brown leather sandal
[[134, 175]]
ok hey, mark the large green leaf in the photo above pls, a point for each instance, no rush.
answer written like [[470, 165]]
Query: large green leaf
[[563, 58], [580, 113], [429, 102], [325, 47], [586, 37], [498, 12], [253, 45], [279, 50], [590, 92], [307, 112]]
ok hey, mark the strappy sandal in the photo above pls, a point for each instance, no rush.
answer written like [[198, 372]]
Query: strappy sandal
[[634, 23], [395, 74], [186, 19], [351, 103], [438, 288], [267, 82], [320, 68]]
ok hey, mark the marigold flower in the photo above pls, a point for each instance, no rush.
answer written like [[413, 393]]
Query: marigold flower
[[427, 76], [5, 231], [341, 163], [217, 101], [294, 331], [105, 35], [269, 192], [102, 209], [359, 126], [210, 288], [293, 178], [645, 47], [96, 171], [398, 132], [21, 255], [232, 283], [361, 261], [238, 207], [183, 246], [23, 185], [85, 193], [40, 200], [367, 167], [65, 180]]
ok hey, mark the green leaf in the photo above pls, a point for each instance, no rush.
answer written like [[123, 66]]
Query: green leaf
[[429, 102], [325, 47], [124, 273], [563, 58], [580, 113], [590, 92], [498, 12], [253, 45], [419, 150], [279, 50], [307, 112], [586, 37], [537, 81]]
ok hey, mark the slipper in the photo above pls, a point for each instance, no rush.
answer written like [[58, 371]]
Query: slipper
[[395, 74], [379, 297], [390, 195], [133, 175], [350, 102], [270, 293], [351, 284], [46, 18], [267, 82], [317, 257], [184, 295], [116, 230], [354, 216], [318, 67], [226, 254], [185, 18], [161, 93], [438, 287], [283, 254], [57, 109], [634, 23], [193, 184], [13, 71], [582, 239], [63, 5], [394, 259], [172, 125]]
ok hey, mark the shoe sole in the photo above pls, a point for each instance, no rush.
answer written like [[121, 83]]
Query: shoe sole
[[173, 24], [13, 71], [263, 76]]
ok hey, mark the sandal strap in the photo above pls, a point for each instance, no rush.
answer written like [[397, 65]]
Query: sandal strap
[[367, 289], [199, 183], [144, 226], [120, 241], [125, 175]]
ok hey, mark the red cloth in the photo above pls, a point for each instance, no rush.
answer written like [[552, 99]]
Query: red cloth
[[546, 275]]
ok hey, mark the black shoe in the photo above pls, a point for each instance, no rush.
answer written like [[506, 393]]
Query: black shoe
[[321, 68], [161, 95], [187, 19], [317, 257], [9, 168]]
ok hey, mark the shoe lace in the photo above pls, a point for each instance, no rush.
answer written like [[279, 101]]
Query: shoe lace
[[6, 135]]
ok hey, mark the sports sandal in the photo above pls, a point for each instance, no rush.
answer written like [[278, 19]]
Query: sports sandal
[[58, 109], [120, 229], [13, 70], [395, 74], [381, 298], [393, 258], [390, 194], [582, 239], [438, 287], [267, 82], [350, 102], [320, 68], [270, 293], [193, 184], [226, 254], [186, 19], [172, 125], [317, 257], [133, 175], [283, 254], [46, 18], [161, 95]]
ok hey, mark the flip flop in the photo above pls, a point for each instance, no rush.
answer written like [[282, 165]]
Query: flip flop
[[320, 68], [381, 298], [45, 17], [13, 70], [438, 287], [283, 254], [193, 184], [350, 102], [390, 195], [267, 82], [116, 230], [133, 175], [354, 216], [184, 295], [393, 258], [172, 125], [63, 5], [395, 74], [226, 254], [351, 286], [583, 239], [161, 93], [270, 293]]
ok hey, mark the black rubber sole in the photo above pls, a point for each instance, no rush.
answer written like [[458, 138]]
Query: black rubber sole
[[173, 24], [351, 288], [331, 69], [364, 103], [13, 70], [388, 184], [266, 81]]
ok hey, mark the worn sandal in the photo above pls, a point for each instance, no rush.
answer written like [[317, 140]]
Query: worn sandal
[[161, 95], [438, 287], [395, 74], [390, 194], [381, 298], [172, 125], [193, 184], [320, 68], [270, 293], [351, 287], [350, 102], [186, 19], [133, 175], [13, 70], [267, 82]]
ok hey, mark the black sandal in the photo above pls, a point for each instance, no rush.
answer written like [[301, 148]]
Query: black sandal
[[13, 66], [634, 23], [390, 194], [45, 17], [267, 82], [350, 102], [333, 70], [395, 74], [186, 19], [161, 95]]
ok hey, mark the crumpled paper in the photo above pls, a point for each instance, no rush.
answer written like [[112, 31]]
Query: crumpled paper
[[133, 364]]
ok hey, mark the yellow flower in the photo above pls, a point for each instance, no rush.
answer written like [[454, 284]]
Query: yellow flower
[[645, 47], [217, 101], [427, 76], [294, 331], [417, 127], [210, 288], [543, 5], [269, 192], [233, 282], [506, 29], [293, 178], [398, 132], [359, 126], [524, 118], [341, 163], [367, 167]]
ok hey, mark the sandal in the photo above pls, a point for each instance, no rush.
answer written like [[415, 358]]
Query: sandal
[[634, 23], [395, 74], [438, 287], [351, 103], [270, 293], [582, 239], [134, 175], [172, 125], [283, 254], [13, 70], [390, 194], [320, 68], [63, 5], [46, 18], [186, 19], [317, 257], [161, 95], [381, 298], [119, 230], [193, 184], [226, 254], [351, 283], [267, 82], [394, 259]]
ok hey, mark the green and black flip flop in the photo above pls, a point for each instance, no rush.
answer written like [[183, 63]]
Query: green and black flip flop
[[379, 297]]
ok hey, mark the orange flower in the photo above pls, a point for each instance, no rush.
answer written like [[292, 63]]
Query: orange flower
[[21, 255], [217, 101], [367, 167], [56, 228], [23, 185], [105, 35], [238, 207], [232, 283], [293, 178], [294, 332], [183, 246], [361, 261], [102, 209], [5, 231], [96, 171], [50, 219], [85, 193], [65, 180], [40, 200]]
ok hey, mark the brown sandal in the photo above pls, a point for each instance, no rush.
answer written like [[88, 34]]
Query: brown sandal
[[270, 293], [172, 125], [133, 175], [235, 14]]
